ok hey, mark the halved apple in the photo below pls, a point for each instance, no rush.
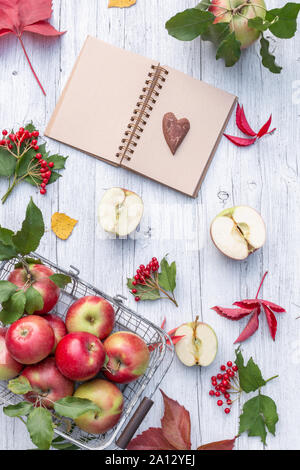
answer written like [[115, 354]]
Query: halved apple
[[239, 231], [120, 211], [199, 345]]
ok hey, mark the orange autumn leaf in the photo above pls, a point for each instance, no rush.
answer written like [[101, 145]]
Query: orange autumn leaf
[[121, 3], [62, 225]]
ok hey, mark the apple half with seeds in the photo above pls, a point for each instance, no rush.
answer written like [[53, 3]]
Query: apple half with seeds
[[199, 344], [239, 231], [120, 211]]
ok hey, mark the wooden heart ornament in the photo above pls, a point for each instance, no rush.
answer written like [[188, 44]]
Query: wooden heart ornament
[[175, 130]]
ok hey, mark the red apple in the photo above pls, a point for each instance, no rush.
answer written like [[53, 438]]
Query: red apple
[[91, 314], [9, 368], [80, 356], [40, 281], [237, 13], [108, 398], [30, 339], [48, 383], [128, 357], [58, 327]]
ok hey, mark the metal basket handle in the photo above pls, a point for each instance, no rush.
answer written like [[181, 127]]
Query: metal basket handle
[[134, 423]]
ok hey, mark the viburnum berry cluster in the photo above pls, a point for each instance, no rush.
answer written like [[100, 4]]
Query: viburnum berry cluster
[[144, 276], [225, 383], [23, 159]]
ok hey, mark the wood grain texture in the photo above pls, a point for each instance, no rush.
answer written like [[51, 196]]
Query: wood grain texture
[[264, 176]]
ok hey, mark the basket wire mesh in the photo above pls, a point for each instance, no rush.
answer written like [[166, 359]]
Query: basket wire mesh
[[125, 319]]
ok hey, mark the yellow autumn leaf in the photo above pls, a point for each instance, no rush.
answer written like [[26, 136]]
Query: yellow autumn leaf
[[62, 225], [121, 3]]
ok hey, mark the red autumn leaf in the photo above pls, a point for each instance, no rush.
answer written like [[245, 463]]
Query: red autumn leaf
[[233, 313], [163, 324], [152, 439], [252, 305], [175, 339], [240, 141], [250, 328], [242, 122], [176, 424], [264, 130], [220, 445], [18, 16]]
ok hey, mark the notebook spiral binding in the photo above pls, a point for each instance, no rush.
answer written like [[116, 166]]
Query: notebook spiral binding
[[141, 113]]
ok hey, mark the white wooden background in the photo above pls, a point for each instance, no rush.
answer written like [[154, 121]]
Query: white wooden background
[[264, 176]]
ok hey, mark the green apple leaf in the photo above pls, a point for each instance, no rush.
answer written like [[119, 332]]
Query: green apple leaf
[[258, 413], [250, 376], [144, 292], [260, 24], [13, 308], [73, 407], [60, 280], [167, 276], [203, 5], [34, 300], [216, 33], [7, 289], [189, 24], [41, 428], [28, 238], [268, 60], [58, 160], [20, 385], [286, 25], [229, 50], [7, 249], [7, 163], [20, 409], [28, 261]]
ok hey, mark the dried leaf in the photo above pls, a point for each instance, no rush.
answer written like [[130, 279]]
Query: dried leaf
[[240, 141], [121, 3], [152, 439], [176, 424], [219, 445], [264, 130], [272, 322], [62, 225], [242, 122], [233, 313], [250, 328]]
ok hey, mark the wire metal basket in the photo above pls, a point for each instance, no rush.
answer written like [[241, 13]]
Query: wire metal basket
[[134, 393]]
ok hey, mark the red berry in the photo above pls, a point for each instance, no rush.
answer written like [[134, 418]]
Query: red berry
[[43, 191], [36, 147], [21, 130], [225, 383], [231, 373], [137, 277], [227, 411], [219, 402], [51, 164], [43, 185], [35, 133], [213, 378], [223, 367], [134, 291], [137, 298], [219, 376], [154, 259], [142, 267], [217, 387], [229, 363], [225, 376], [4, 132], [223, 389], [38, 156], [226, 395], [218, 394], [235, 368], [10, 146], [229, 402], [34, 142], [134, 283], [211, 392]]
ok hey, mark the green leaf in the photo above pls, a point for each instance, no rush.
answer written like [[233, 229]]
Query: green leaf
[[6, 252], [268, 60], [28, 261], [20, 409], [60, 280], [30, 127], [144, 292], [54, 177], [229, 50], [58, 160], [167, 276], [7, 289], [13, 308], [286, 26], [189, 24], [34, 300], [260, 24], [64, 446], [41, 428], [258, 413], [73, 407], [216, 33], [6, 236], [250, 376], [7, 249], [28, 238], [203, 5], [7, 163], [24, 162], [20, 385]]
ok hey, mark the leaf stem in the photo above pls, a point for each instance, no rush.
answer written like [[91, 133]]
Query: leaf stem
[[30, 65], [272, 378], [261, 283]]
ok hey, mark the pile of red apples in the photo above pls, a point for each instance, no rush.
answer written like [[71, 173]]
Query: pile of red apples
[[62, 359]]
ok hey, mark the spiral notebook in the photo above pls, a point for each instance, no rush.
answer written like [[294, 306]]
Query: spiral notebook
[[113, 106]]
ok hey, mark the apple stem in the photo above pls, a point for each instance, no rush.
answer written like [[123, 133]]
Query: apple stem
[[261, 283]]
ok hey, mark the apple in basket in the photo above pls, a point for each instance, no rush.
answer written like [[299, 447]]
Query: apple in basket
[[199, 344], [80, 356], [48, 384], [91, 314], [108, 398], [9, 368], [58, 326], [120, 211], [128, 357], [40, 281], [239, 231], [30, 339]]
